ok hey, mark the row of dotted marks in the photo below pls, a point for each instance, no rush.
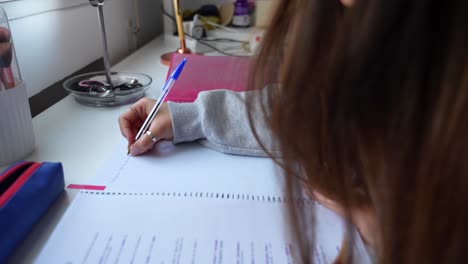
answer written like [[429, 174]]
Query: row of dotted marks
[[263, 198]]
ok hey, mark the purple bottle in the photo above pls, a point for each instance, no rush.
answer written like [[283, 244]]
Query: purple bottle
[[241, 14]]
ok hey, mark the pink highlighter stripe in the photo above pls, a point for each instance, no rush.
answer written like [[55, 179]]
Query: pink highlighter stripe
[[86, 187]]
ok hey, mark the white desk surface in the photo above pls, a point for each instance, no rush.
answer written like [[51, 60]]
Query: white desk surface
[[82, 137]]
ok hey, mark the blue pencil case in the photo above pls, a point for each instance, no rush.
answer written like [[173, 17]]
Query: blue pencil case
[[27, 189]]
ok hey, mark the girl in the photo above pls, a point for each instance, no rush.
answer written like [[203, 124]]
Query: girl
[[369, 115]]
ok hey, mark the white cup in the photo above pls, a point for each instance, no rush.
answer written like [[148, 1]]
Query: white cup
[[16, 129]]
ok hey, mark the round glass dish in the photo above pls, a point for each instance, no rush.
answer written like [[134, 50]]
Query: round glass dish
[[128, 88]]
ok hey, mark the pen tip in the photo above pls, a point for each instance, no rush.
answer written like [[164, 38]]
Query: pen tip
[[128, 152]]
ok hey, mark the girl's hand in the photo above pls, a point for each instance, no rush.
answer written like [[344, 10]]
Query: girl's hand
[[132, 120]]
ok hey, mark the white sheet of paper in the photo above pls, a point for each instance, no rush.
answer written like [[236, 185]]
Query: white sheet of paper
[[190, 168], [117, 228], [186, 204]]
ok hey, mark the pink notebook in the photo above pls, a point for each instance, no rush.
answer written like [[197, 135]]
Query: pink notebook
[[203, 73]]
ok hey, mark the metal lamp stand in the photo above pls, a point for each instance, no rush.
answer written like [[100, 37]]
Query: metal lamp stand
[[107, 88]]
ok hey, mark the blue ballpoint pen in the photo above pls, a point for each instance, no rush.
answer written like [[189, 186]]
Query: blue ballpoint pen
[[167, 87]]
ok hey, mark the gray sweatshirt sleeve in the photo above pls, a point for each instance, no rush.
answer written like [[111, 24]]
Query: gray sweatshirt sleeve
[[218, 119]]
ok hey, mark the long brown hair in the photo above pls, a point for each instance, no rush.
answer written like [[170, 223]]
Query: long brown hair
[[371, 110]]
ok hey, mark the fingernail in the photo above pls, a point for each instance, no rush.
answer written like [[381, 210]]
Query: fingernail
[[134, 151]]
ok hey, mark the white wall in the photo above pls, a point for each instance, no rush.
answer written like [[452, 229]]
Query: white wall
[[54, 38]]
